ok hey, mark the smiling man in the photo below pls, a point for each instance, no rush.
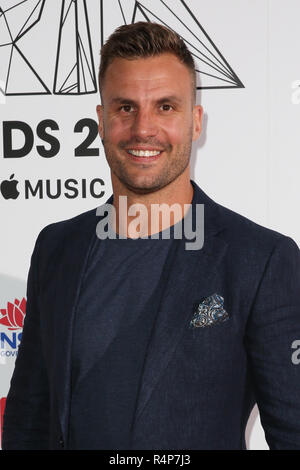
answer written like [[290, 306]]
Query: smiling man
[[149, 118], [135, 342], [147, 123]]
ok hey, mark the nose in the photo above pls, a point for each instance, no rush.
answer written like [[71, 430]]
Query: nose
[[144, 124]]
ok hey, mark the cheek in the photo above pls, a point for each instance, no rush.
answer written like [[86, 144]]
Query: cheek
[[117, 129], [177, 131]]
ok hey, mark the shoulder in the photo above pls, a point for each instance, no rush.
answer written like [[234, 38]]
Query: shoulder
[[57, 237], [241, 230], [255, 252], [242, 234], [253, 247], [76, 225]]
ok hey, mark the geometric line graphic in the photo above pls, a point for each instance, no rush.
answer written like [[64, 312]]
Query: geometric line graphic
[[71, 60], [16, 21], [212, 68], [74, 69]]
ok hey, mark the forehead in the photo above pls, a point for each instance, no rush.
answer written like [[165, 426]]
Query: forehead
[[144, 76]]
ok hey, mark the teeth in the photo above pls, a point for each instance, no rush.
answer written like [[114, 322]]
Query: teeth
[[144, 153]]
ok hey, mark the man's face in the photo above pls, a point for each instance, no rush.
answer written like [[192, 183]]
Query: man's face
[[147, 121]]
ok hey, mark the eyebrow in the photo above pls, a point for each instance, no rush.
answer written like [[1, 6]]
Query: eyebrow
[[122, 100]]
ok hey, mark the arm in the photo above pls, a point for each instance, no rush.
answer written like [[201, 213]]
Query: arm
[[26, 416], [273, 325]]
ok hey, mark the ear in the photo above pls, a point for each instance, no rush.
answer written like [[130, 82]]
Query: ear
[[197, 121], [99, 110]]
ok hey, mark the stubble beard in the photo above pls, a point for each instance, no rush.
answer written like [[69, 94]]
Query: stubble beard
[[175, 164]]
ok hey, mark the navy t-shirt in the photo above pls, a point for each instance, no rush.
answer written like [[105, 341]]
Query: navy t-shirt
[[120, 278]]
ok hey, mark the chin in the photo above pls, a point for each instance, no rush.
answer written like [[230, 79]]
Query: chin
[[143, 188], [140, 184]]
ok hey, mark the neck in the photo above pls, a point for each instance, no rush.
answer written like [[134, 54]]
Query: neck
[[155, 212]]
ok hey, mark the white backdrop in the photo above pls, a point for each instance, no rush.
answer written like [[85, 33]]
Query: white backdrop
[[246, 159]]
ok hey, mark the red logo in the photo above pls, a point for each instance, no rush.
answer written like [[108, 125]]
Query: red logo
[[13, 315]]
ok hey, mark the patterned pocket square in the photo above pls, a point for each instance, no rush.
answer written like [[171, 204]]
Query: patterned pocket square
[[209, 312]]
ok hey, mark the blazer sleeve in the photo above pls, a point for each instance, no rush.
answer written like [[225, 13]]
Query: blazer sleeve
[[26, 415], [272, 331]]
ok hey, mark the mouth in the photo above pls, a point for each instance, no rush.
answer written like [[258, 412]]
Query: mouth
[[145, 155]]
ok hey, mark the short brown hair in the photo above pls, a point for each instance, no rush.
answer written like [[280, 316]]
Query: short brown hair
[[142, 40]]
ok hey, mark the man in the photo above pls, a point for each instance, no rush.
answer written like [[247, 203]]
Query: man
[[137, 342]]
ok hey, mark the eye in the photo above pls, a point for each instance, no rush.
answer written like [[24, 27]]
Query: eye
[[126, 108], [166, 107]]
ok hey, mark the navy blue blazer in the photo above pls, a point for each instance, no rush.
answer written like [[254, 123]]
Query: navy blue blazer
[[200, 384]]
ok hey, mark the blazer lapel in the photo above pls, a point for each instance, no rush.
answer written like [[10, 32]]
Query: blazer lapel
[[175, 310], [69, 278], [188, 274], [72, 264]]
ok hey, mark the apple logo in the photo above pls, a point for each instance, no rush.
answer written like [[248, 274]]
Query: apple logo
[[9, 188]]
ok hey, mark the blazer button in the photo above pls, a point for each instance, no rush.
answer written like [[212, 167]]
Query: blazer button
[[61, 442]]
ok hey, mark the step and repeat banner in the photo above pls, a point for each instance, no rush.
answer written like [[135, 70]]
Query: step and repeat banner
[[52, 163]]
